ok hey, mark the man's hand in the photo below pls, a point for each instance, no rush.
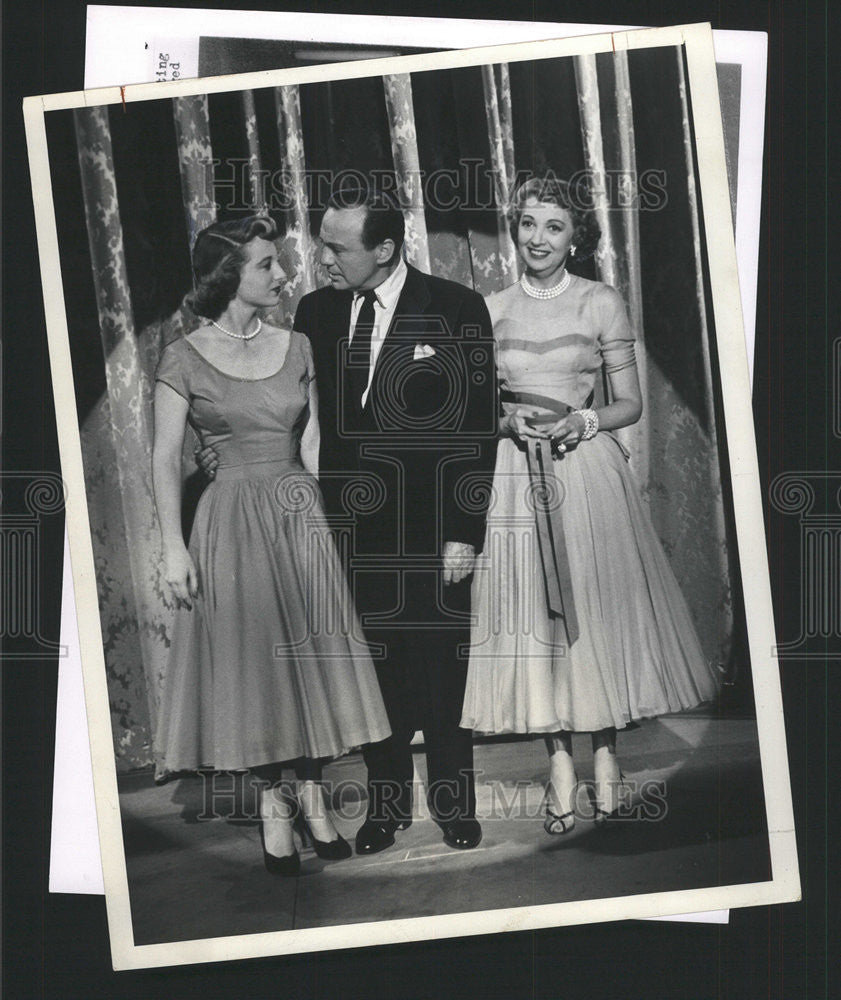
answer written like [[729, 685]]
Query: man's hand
[[458, 560], [207, 460]]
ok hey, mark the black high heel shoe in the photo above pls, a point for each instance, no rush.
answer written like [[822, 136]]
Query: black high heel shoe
[[328, 850], [288, 866]]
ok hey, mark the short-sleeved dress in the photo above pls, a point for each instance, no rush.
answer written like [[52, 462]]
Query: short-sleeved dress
[[636, 653], [270, 664]]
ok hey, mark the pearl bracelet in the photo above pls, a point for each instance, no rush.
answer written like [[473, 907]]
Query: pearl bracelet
[[591, 423]]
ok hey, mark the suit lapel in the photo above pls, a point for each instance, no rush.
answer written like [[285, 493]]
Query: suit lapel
[[413, 302], [335, 332]]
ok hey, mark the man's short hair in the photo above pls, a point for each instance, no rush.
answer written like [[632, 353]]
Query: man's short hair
[[383, 215]]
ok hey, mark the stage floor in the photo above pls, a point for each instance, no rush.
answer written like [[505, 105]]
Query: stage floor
[[695, 819]]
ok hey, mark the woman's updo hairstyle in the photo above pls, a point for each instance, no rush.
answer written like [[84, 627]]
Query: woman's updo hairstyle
[[572, 196], [218, 256]]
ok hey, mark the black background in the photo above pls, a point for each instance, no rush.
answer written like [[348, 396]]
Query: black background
[[57, 946]]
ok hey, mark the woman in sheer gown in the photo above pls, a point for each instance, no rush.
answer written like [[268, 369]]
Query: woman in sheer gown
[[580, 625]]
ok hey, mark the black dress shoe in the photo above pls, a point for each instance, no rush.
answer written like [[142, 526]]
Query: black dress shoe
[[403, 824], [462, 833], [373, 837]]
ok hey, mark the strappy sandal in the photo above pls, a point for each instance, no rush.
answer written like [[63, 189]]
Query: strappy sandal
[[606, 818], [555, 824]]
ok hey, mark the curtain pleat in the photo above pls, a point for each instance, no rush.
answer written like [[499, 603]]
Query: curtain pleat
[[404, 148], [506, 121], [479, 159], [723, 570], [255, 160], [611, 164], [129, 409], [195, 156], [297, 247], [502, 154]]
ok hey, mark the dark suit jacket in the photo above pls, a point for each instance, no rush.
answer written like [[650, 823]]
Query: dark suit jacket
[[413, 469]]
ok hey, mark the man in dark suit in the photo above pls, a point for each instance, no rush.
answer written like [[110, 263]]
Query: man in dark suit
[[407, 409]]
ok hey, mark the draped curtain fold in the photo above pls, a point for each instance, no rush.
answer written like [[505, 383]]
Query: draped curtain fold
[[721, 564], [404, 150], [617, 259], [195, 158], [298, 248], [256, 177], [135, 618], [497, 97], [468, 242]]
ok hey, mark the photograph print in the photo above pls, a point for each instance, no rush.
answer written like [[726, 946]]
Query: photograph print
[[400, 407]]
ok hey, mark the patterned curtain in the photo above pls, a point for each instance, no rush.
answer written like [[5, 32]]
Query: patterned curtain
[[404, 149], [297, 249], [497, 91], [699, 437], [195, 157], [486, 151], [124, 529], [255, 160], [673, 447], [467, 116], [617, 260]]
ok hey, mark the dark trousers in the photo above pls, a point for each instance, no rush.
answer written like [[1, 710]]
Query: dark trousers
[[449, 763], [422, 681]]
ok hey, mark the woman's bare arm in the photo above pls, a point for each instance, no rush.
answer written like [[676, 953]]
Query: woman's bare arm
[[170, 424]]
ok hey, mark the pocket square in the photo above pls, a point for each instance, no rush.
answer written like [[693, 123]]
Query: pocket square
[[423, 351]]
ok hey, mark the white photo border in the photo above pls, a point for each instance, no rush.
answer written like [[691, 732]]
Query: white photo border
[[784, 885]]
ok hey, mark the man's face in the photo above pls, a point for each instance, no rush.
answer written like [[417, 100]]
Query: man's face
[[343, 255]]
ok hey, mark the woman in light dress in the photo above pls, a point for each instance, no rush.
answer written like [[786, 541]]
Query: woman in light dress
[[580, 623]]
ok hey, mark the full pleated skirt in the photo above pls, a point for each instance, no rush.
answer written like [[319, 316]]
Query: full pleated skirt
[[637, 654], [270, 663]]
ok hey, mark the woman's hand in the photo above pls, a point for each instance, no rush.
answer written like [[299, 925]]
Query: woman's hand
[[180, 574], [516, 425], [568, 431]]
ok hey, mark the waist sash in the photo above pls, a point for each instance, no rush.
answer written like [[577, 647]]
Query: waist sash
[[547, 511], [257, 470]]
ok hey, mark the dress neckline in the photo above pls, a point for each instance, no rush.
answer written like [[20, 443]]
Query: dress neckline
[[239, 378]]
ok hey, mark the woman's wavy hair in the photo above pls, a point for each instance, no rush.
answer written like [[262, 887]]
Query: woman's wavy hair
[[574, 196], [218, 256]]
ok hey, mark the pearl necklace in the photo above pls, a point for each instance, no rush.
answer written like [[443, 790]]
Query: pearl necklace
[[240, 336], [545, 293]]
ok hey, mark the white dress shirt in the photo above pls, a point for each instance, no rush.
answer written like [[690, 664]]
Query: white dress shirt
[[387, 293]]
